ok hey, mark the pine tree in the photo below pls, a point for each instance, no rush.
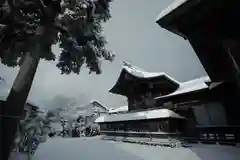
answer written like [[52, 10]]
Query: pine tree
[[34, 26], [29, 29]]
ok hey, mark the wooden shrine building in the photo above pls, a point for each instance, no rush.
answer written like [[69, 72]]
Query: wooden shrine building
[[158, 103], [212, 28]]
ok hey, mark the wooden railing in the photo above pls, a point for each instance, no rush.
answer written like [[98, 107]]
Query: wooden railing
[[215, 135], [228, 135], [141, 134]]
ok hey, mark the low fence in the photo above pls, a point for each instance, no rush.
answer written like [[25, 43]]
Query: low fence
[[141, 134], [229, 135], [223, 135]]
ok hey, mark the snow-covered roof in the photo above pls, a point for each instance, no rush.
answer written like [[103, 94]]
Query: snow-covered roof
[[179, 88], [190, 86], [120, 109], [142, 115], [170, 8], [99, 104], [140, 73], [93, 102]]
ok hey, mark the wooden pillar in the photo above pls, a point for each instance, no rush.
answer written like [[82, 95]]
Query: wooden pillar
[[171, 125], [166, 125], [125, 126]]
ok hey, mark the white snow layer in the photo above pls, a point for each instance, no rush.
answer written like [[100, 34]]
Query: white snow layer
[[138, 72], [190, 86], [120, 109], [142, 115], [184, 87], [170, 8]]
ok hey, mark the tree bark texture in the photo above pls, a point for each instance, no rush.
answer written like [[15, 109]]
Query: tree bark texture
[[14, 106]]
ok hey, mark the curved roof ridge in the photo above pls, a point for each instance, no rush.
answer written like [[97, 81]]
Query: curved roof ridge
[[175, 4], [131, 68], [100, 104], [119, 109], [86, 105], [190, 86], [141, 115], [200, 79]]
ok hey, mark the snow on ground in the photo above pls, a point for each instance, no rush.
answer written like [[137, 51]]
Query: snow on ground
[[78, 148], [94, 148], [193, 153], [18, 156]]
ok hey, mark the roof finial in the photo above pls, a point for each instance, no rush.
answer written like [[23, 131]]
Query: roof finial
[[127, 64]]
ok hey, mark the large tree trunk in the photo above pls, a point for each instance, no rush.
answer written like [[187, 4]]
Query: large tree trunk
[[14, 106]]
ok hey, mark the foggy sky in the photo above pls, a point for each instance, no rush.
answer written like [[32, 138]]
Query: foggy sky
[[134, 36]]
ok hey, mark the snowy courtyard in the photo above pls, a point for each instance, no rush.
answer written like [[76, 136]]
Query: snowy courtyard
[[94, 148]]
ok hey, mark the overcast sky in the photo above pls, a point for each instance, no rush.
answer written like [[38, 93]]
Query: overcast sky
[[134, 36]]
